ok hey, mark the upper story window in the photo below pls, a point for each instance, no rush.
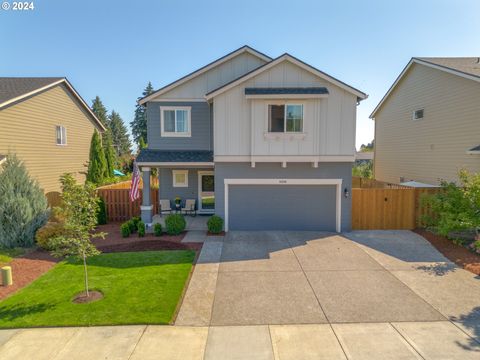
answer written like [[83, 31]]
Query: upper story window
[[61, 135], [285, 118], [418, 114], [175, 121]]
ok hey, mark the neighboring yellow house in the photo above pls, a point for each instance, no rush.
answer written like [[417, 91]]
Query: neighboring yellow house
[[427, 126], [48, 125]]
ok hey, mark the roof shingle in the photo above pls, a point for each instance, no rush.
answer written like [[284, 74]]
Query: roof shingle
[[12, 87], [467, 65]]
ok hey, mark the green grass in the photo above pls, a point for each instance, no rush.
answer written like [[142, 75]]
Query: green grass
[[138, 288], [6, 255]]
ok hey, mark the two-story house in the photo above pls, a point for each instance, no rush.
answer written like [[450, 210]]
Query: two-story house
[[47, 124], [267, 144], [427, 126]]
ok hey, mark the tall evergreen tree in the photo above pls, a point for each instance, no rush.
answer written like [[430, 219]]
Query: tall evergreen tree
[[139, 123], [97, 165], [100, 111], [142, 144], [120, 137], [110, 154]]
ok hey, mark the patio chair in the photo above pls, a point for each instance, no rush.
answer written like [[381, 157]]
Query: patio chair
[[189, 208], [165, 207]]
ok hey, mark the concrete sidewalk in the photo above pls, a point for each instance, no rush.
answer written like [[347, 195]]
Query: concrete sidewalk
[[405, 340]]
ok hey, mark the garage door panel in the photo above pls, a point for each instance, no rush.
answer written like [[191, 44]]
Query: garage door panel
[[282, 207]]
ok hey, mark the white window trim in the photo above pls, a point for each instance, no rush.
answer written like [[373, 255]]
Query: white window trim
[[285, 117], [63, 142], [179, 172], [164, 133], [415, 118], [287, 182]]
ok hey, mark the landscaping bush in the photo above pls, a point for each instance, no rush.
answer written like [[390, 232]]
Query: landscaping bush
[[456, 208], [141, 229], [23, 206], [135, 220], [125, 229], [102, 212], [215, 224], [132, 225], [175, 224], [47, 232], [157, 229]]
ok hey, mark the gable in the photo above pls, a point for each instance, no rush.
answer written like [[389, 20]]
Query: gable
[[211, 76], [283, 74], [291, 76]]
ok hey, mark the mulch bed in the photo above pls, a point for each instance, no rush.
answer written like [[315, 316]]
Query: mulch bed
[[114, 242], [456, 253], [221, 233], [26, 269], [83, 299]]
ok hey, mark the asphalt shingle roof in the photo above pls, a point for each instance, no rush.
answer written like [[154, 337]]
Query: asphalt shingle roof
[[151, 155], [12, 87], [286, 90], [467, 65]]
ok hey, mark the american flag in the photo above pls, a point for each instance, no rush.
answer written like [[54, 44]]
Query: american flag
[[134, 191]]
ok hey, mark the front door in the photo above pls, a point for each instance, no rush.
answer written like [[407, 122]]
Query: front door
[[206, 192]]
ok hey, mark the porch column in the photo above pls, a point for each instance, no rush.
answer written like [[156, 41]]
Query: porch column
[[146, 207]]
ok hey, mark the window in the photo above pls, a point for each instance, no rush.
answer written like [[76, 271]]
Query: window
[[417, 114], [285, 118], [175, 121], [180, 178], [61, 135]]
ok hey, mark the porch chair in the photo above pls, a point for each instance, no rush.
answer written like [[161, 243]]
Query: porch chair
[[165, 207], [189, 208]]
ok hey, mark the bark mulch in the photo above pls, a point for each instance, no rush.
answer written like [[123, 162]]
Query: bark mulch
[[114, 242], [26, 269], [456, 253]]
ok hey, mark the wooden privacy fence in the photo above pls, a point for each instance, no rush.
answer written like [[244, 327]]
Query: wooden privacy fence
[[118, 204], [383, 209]]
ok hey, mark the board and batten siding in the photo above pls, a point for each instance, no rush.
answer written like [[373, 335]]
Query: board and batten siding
[[240, 123], [434, 147], [215, 77], [27, 128], [201, 127]]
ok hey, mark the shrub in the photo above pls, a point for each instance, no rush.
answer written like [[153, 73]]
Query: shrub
[[102, 212], [132, 225], [47, 232], [125, 229], [141, 229], [135, 221], [175, 224], [23, 206], [157, 229], [215, 224], [455, 208]]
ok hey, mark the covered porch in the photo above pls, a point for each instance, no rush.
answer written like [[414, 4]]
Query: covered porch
[[183, 176]]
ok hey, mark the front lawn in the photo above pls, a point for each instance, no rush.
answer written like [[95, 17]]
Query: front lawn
[[138, 288]]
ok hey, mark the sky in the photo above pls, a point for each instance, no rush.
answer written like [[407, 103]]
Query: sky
[[113, 48]]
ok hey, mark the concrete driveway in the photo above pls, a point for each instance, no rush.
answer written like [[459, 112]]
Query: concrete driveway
[[265, 278], [274, 295]]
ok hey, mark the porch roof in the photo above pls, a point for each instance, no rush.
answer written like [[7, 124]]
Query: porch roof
[[160, 157]]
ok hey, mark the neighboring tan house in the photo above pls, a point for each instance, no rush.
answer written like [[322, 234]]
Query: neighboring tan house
[[266, 144], [427, 126], [46, 123]]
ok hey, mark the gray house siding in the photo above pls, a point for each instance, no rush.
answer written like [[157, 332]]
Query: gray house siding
[[201, 123], [321, 200], [167, 191]]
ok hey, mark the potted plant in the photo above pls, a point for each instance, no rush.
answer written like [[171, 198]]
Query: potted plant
[[178, 202]]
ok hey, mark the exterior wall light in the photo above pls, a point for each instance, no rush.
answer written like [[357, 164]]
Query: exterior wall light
[[346, 193]]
